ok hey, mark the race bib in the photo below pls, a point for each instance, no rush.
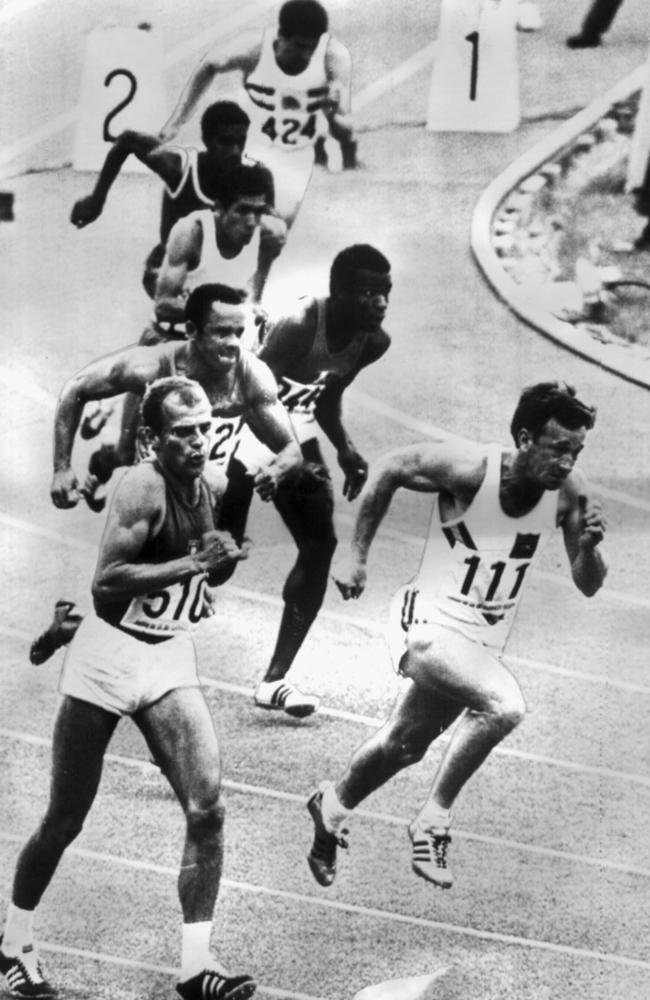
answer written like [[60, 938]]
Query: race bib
[[225, 435], [171, 609], [298, 397]]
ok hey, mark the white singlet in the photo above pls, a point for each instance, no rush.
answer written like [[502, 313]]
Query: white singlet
[[286, 118], [234, 271], [473, 566]]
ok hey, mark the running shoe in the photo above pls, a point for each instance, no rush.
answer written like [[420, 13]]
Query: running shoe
[[322, 856], [64, 625], [429, 855], [582, 41], [211, 985], [25, 978], [282, 696]]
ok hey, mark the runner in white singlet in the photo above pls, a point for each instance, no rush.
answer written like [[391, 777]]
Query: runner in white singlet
[[295, 86], [494, 510]]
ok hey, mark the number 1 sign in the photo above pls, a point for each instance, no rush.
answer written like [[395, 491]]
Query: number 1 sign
[[475, 80], [121, 87]]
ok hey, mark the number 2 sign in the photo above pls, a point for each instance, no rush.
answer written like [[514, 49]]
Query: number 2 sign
[[121, 87]]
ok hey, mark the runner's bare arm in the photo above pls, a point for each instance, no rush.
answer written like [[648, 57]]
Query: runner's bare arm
[[273, 236], [583, 527], [167, 163], [124, 371], [338, 67], [244, 58], [454, 466], [182, 255], [330, 417], [137, 508], [270, 422]]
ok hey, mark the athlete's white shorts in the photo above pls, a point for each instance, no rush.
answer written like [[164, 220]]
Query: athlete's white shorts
[[255, 455], [291, 174], [410, 614], [108, 668]]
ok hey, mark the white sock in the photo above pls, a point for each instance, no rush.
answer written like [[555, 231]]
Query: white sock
[[195, 949], [334, 812], [434, 815], [19, 930]]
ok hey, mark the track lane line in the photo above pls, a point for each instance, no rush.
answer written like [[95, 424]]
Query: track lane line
[[370, 625], [227, 27], [387, 916], [390, 819]]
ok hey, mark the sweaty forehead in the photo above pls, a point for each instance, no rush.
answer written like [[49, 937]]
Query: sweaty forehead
[[223, 314], [180, 414]]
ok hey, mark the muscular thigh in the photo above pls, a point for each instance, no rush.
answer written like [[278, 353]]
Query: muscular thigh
[[443, 661], [81, 734], [419, 715], [180, 733], [305, 499]]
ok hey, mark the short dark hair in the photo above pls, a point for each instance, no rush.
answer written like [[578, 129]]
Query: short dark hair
[[305, 18], [243, 181], [189, 392], [354, 258], [220, 114], [547, 400], [201, 298]]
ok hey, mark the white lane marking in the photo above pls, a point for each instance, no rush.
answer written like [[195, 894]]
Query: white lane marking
[[139, 764], [350, 908], [373, 91], [131, 963], [557, 579], [438, 433], [17, 380], [351, 621], [226, 27]]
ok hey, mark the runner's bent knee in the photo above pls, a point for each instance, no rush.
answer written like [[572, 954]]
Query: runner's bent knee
[[205, 816]]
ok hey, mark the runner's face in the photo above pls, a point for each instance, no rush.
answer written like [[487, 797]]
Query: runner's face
[[218, 343], [552, 456], [293, 53], [183, 443], [365, 298], [226, 147], [242, 218]]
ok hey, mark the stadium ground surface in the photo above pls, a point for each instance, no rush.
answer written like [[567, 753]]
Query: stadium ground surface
[[551, 851]]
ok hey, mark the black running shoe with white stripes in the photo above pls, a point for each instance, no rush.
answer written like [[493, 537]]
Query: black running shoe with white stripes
[[24, 978], [322, 856], [211, 985], [429, 856]]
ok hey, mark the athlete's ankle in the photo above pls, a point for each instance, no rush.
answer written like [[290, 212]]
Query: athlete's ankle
[[432, 814], [335, 814], [274, 674], [195, 948], [18, 931]]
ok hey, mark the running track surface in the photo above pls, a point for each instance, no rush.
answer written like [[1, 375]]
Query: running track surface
[[551, 849]]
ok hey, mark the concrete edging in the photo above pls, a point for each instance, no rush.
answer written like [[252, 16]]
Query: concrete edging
[[626, 360]]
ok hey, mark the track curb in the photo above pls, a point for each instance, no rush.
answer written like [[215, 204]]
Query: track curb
[[523, 179]]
